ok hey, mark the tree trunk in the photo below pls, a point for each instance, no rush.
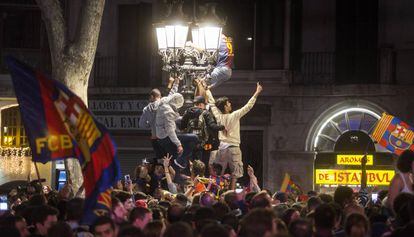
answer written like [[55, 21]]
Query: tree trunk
[[72, 60]]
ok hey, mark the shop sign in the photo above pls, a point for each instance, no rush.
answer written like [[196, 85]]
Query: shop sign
[[352, 177], [119, 121], [117, 105], [353, 159]]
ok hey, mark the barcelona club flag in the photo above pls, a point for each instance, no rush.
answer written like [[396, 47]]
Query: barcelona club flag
[[289, 186], [60, 126], [393, 134]]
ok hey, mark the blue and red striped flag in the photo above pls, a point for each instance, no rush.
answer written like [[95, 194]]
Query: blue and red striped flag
[[393, 134], [60, 126], [288, 186]]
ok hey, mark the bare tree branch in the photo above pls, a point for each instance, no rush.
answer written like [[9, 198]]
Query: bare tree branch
[[88, 28], [55, 26]]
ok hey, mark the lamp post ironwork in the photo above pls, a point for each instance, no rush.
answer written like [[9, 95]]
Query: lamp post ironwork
[[181, 59]]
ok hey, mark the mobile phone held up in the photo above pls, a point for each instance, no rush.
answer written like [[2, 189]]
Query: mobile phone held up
[[3, 203], [128, 179]]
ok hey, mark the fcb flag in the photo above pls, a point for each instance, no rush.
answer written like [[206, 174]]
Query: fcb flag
[[59, 126], [393, 134], [288, 186]]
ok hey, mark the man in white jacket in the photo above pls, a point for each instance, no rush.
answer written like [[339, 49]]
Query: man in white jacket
[[229, 151], [180, 146], [147, 119]]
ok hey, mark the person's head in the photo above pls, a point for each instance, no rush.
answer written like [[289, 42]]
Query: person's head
[[179, 229], [207, 199], [104, 227], [199, 168], [154, 229], [17, 222], [200, 102], [158, 170], [154, 95], [175, 213], [224, 105], [401, 199], [300, 228], [230, 198], [130, 231], [282, 197], [220, 210], [215, 230], [261, 200], [119, 212], [258, 223], [74, 209], [356, 225], [126, 199], [60, 229], [43, 217], [405, 162], [313, 203], [141, 171], [176, 101], [216, 169], [343, 195], [290, 215], [324, 217], [140, 217], [325, 198]]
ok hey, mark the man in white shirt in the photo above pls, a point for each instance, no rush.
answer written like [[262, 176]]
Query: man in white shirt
[[229, 150]]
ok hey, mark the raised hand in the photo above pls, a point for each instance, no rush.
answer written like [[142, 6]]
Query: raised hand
[[166, 160], [259, 88]]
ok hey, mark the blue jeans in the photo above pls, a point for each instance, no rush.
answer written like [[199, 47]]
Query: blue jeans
[[219, 75], [188, 141]]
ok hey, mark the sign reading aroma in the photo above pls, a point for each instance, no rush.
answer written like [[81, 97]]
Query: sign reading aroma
[[353, 159]]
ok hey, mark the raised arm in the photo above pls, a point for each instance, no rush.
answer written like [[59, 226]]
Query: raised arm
[[209, 97], [247, 107], [173, 85]]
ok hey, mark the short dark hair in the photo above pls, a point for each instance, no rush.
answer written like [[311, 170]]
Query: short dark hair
[[61, 229], [217, 168], [257, 222], [40, 213], [179, 229], [74, 209], [138, 213], [343, 194], [214, 229], [175, 213], [102, 220], [260, 200], [155, 93], [325, 216], [221, 102], [355, 219], [405, 160], [300, 227]]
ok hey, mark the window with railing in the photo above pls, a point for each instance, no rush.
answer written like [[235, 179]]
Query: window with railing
[[13, 133]]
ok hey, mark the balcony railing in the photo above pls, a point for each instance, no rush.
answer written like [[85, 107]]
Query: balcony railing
[[105, 71], [318, 68]]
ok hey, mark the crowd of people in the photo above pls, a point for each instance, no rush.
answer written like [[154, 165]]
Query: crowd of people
[[152, 205]]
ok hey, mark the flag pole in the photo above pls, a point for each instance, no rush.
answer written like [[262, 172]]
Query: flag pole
[[38, 177]]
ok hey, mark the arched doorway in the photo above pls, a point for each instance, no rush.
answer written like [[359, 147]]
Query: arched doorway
[[340, 138]]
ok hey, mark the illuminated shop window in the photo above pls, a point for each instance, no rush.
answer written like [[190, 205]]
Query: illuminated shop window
[[13, 133], [350, 119]]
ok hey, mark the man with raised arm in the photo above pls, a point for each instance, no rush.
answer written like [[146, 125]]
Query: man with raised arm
[[147, 119], [229, 151]]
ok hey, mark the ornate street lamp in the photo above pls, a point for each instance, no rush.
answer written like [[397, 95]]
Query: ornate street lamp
[[181, 60]]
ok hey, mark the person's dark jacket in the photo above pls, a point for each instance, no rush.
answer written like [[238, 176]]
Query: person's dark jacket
[[213, 128], [190, 114]]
